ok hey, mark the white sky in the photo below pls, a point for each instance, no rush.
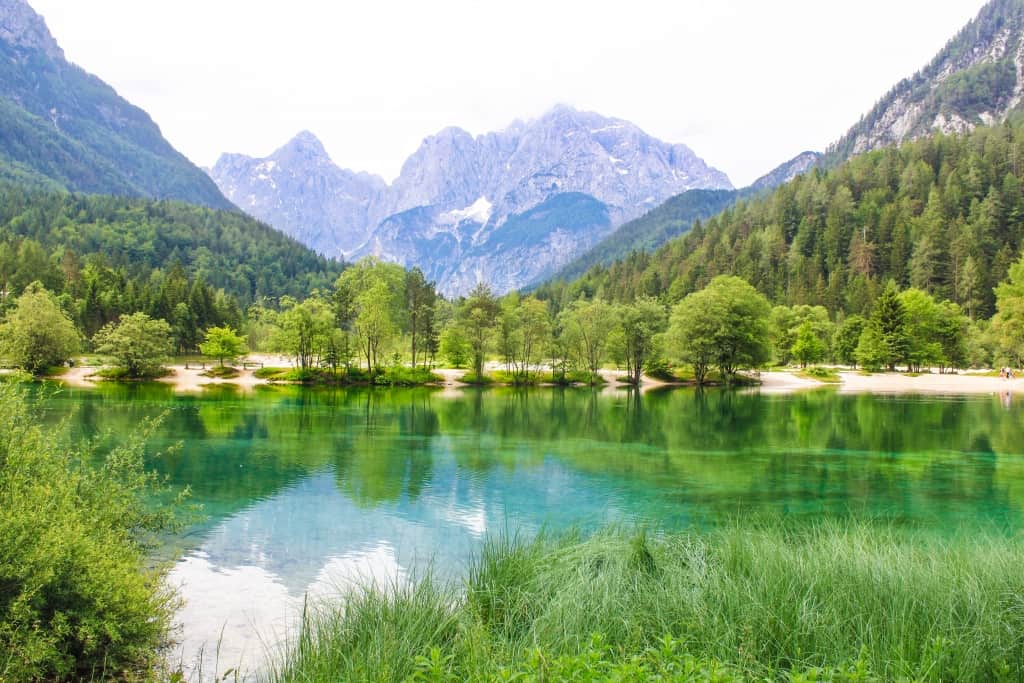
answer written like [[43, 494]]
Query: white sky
[[746, 83]]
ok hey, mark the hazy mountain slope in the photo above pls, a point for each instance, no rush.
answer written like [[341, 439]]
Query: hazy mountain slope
[[447, 209], [61, 124]]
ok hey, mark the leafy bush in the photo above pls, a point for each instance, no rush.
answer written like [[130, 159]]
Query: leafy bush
[[270, 373], [78, 598], [222, 372], [576, 377], [518, 380], [401, 376], [821, 374], [659, 369], [479, 380], [122, 374]]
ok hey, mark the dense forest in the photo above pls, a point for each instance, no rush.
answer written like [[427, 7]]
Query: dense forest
[[943, 214], [105, 256]]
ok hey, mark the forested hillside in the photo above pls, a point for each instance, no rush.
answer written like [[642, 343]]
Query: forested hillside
[[63, 127], [112, 255], [943, 214]]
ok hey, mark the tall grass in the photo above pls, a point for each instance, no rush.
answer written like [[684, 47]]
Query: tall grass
[[835, 601]]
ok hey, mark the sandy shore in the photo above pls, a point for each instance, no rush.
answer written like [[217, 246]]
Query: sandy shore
[[895, 383], [776, 382], [785, 383]]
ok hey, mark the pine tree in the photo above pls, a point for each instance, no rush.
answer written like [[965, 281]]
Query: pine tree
[[890, 320]]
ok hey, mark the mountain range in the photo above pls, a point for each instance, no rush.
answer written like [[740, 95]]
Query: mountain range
[[507, 207]]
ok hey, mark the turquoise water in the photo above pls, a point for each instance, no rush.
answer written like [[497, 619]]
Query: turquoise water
[[305, 492]]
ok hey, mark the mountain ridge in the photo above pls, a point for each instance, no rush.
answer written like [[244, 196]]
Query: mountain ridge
[[487, 180]]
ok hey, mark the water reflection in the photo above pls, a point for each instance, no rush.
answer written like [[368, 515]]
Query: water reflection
[[307, 491]]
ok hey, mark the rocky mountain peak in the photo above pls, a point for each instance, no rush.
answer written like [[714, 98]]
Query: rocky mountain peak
[[22, 27], [304, 147]]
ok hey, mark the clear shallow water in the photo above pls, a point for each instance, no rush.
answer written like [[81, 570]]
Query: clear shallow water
[[307, 491]]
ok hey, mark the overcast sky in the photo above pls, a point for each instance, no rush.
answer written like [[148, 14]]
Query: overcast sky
[[746, 83]]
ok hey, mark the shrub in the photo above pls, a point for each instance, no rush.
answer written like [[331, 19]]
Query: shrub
[[659, 369], [222, 372], [78, 599], [37, 334], [821, 374], [473, 378], [270, 373], [401, 376]]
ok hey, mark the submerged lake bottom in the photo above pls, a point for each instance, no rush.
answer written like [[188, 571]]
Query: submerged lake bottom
[[310, 492]]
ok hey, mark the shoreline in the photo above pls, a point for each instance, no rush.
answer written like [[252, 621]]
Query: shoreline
[[191, 380]]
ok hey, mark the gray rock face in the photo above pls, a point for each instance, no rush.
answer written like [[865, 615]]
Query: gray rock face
[[977, 79], [21, 26], [325, 207], [450, 209], [797, 166]]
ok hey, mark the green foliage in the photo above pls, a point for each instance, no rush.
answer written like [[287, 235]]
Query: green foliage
[[827, 375], [808, 347], [402, 376], [372, 300], [37, 334], [872, 351], [269, 373], [637, 326], [139, 344], [79, 599], [847, 336], [1008, 324], [476, 317], [223, 343], [844, 602], [304, 330], [455, 346], [585, 327], [890, 319], [221, 372], [725, 325], [126, 249]]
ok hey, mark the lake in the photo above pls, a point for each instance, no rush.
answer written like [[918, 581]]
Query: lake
[[312, 491]]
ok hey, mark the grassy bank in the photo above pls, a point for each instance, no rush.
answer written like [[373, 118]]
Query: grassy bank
[[854, 602]]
